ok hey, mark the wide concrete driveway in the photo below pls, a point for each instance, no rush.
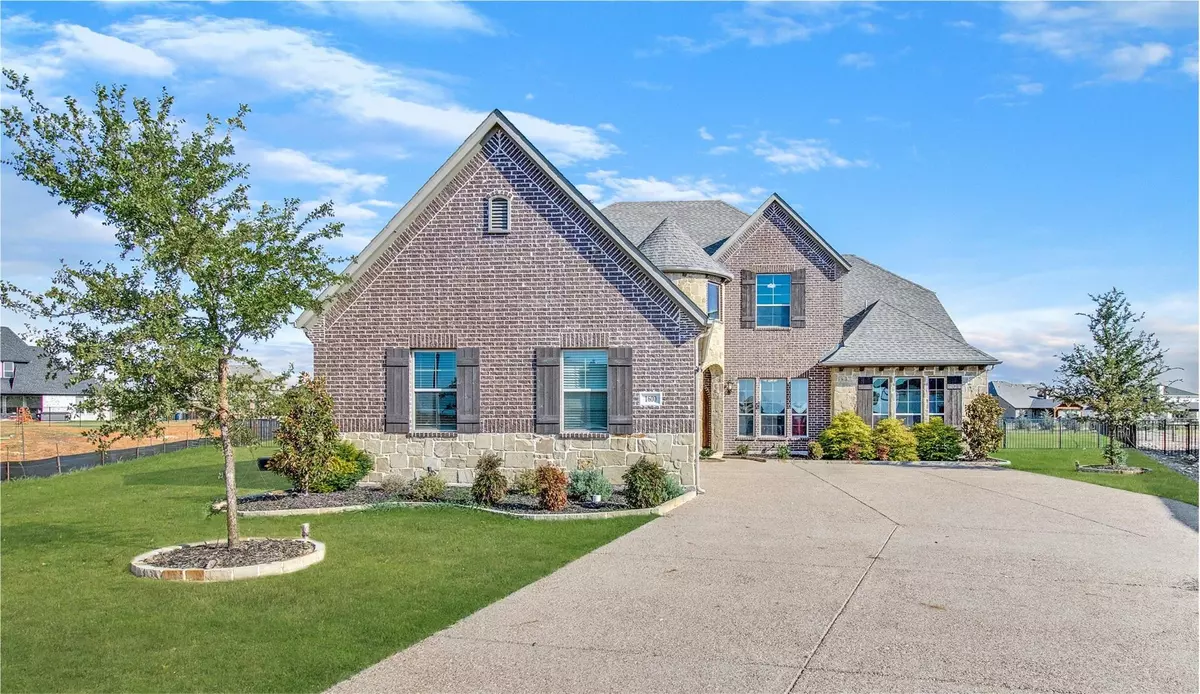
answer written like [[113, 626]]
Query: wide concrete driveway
[[812, 577]]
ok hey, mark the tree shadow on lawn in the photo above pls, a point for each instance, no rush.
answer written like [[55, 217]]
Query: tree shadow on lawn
[[248, 477]]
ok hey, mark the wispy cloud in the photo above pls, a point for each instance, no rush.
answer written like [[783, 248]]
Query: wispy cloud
[[723, 149], [1128, 63], [649, 86], [761, 24], [608, 128], [961, 24], [802, 156], [704, 134], [73, 46], [857, 60], [604, 187], [442, 15], [285, 164], [1015, 91]]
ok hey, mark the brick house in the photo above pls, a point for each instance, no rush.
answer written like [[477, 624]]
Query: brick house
[[500, 310]]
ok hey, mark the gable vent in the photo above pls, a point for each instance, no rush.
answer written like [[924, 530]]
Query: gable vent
[[498, 214]]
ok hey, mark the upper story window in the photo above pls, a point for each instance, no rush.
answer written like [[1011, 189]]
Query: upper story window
[[880, 400], [9, 369], [908, 400], [585, 389], [774, 301], [937, 398], [435, 390], [772, 408], [714, 301], [745, 407], [799, 407], [498, 213]]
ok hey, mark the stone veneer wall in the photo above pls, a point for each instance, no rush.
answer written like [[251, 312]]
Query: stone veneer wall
[[406, 457], [845, 382]]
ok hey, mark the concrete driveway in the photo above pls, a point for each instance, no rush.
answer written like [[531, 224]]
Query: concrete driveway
[[813, 577]]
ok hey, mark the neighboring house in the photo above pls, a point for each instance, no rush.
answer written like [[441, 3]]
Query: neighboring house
[[1021, 400], [500, 310], [24, 383], [1184, 403]]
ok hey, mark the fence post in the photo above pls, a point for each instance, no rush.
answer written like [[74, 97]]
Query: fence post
[[1058, 424], [1163, 423], [164, 443], [57, 458]]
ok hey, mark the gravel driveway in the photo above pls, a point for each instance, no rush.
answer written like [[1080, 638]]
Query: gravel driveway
[[813, 577]]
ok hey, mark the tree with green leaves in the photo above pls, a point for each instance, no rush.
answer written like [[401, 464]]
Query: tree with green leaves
[[1118, 377], [201, 274]]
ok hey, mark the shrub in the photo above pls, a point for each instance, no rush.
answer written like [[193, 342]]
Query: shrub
[[526, 482], [937, 440], [743, 449], [307, 435], [348, 465], [846, 430], [335, 472], [815, 452], [552, 487], [783, 451], [893, 440], [427, 487], [393, 486], [645, 483], [981, 427], [706, 452], [588, 481], [490, 484], [674, 488]]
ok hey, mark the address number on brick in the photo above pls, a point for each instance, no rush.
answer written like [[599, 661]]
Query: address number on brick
[[649, 399]]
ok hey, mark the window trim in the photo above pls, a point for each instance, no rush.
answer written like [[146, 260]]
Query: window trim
[[905, 416], [753, 408], [791, 414], [929, 391], [563, 390], [713, 314], [492, 227], [9, 369], [415, 426], [787, 304]]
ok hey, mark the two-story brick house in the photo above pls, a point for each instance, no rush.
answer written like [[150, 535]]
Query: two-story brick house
[[500, 310]]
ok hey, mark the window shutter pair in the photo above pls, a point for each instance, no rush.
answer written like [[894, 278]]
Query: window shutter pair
[[862, 398], [750, 299], [397, 384], [548, 390], [954, 401]]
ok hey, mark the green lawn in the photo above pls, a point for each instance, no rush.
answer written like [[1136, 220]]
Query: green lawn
[[1036, 438], [1160, 481], [76, 619]]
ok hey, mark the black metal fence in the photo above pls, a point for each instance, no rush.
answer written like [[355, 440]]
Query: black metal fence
[[1162, 435], [263, 429]]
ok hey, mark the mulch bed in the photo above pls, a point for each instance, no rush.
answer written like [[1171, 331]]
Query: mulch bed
[[516, 503], [247, 553]]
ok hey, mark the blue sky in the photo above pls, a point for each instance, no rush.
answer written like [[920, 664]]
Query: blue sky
[[1012, 157]]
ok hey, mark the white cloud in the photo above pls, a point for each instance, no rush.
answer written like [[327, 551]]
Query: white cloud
[[801, 156], [857, 60], [529, 97], [75, 45], [762, 24], [606, 187], [1190, 66], [1018, 87], [650, 86], [608, 128], [443, 14], [1031, 88], [833, 121], [293, 165], [300, 62], [704, 134], [961, 24], [723, 149], [1129, 63]]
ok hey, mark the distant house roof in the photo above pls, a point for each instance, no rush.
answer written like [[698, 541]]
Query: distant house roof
[[707, 222], [1021, 396], [671, 249], [30, 373], [1179, 392]]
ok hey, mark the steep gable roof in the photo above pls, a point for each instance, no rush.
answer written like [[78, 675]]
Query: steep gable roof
[[13, 348], [672, 250], [728, 244], [707, 222], [30, 372], [867, 283], [887, 335], [1021, 396], [473, 143]]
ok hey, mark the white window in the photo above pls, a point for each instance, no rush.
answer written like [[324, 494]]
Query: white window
[[799, 407], [745, 407], [937, 398], [498, 213], [772, 406], [908, 400], [435, 386], [9, 369], [880, 400], [714, 301], [774, 301], [585, 390]]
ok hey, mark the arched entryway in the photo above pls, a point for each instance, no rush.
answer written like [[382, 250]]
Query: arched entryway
[[712, 430]]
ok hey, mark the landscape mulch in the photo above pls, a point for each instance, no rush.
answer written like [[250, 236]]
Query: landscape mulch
[[247, 553], [513, 502]]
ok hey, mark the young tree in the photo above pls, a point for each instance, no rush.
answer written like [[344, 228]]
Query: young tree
[[1118, 377], [200, 274]]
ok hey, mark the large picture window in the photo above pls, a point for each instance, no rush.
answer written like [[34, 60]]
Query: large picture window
[[937, 398], [880, 400], [774, 301], [585, 390], [435, 386], [714, 301], [908, 400], [799, 407], [773, 398], [746, 407]]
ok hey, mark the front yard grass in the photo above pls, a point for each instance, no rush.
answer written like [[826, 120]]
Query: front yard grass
[[1160, 481], [76, 619]]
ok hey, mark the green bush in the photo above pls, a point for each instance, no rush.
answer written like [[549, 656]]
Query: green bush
[[335, 472], [937, 440], [674, 488], [490, 484], [783, 451], [552, 487], [815, 452], [427, 487], [893, 441], [981, 427], [846, 437], [307, 435], [588, 481], [743, 449], [645, 484], [347, 467], [706, 452], [393, 486], [526, 482]]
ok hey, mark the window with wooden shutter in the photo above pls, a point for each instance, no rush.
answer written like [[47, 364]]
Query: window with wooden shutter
[[620, 390], [863, 398], [547, 392], [747, 302], [954, 401], [798, 298], [468, 390], [395, 390]]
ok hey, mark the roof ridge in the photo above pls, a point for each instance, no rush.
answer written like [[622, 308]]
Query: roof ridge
[[925, 323], [889, 272]]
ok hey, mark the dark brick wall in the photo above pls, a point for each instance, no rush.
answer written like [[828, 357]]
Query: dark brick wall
[[555, 280], [777, 243]]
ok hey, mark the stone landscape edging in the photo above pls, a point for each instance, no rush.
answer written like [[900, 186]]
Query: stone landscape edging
[[660, 510], [987, 463], [141, 568]]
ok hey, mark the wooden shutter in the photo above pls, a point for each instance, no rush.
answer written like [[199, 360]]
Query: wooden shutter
[[748, 299], [467, 359], [547, 396], [954, 401], [395, 390], [862, 399], [798, 298], [620, 390]]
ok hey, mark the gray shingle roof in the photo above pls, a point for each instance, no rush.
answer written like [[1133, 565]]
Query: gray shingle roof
[[1178, 392], [671, 249], [867, 283], [887, 335], [29, 376], [708, 222], [1021, 396]]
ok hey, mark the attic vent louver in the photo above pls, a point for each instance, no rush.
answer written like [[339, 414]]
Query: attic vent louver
[[498, 214]]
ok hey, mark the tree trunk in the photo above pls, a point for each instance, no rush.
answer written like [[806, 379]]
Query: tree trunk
[[223, 416]]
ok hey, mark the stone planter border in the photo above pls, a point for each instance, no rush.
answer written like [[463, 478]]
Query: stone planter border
[[660, 510], [1105, 470], [986, 464], [141, 565]]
